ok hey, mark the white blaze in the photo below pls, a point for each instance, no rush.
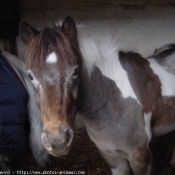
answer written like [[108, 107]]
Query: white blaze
[[51, 58]]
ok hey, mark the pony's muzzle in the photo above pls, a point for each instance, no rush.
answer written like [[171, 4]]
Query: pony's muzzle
[[59, 143]]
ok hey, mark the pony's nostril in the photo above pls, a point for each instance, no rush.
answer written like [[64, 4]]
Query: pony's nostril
[[69, 136]]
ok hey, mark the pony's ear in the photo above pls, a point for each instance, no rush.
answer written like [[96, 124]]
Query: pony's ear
[[27, 32], [69, 28]]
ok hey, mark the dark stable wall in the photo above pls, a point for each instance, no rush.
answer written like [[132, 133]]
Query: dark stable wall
[[9, 18], [9, 24]]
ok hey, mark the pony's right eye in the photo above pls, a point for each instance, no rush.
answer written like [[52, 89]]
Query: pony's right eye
[[30, 76]]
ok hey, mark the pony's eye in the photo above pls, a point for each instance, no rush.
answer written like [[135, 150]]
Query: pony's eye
[[75, 72], [30, 76]]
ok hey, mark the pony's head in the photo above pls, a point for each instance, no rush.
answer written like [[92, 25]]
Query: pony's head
[[53, 67]]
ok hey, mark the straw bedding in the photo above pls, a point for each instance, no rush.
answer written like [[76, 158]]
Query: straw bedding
[[85, 157]]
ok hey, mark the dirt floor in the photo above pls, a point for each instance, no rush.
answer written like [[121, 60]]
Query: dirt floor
[[84, 158]]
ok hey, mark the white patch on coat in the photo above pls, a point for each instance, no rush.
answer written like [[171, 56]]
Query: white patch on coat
[[52, 58], [104, 55], [167, 79], [147, 119]]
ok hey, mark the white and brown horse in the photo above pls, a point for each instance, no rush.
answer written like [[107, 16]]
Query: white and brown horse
[[124, 99]]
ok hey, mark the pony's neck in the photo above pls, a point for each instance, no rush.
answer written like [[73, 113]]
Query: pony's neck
[[104, 54], [100, 52]]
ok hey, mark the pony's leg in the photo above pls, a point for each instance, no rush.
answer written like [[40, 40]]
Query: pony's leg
[[119, 165], [39, 152], [121, 169], [140, 161], [5, 162]]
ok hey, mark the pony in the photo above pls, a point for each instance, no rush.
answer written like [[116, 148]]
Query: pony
[[125, 100], [36, 126]]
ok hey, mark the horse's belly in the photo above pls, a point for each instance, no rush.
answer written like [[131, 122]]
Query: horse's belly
[[162, 130]]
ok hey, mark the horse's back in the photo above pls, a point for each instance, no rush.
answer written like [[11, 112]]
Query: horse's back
[[153, 81]]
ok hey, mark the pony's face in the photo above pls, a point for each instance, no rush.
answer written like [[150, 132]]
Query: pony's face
[[53, 68]]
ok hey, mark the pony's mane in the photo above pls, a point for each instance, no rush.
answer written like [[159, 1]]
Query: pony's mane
[[96, 51], [89, 53]]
